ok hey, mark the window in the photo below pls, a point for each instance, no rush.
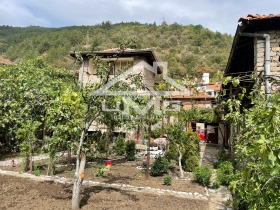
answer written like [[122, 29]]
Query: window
[[92, 67], [123, 65]]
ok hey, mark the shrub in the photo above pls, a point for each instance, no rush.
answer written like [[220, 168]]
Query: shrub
[[172, 153], [130, 150], [225, 173], [101, 144], [167, 180], [192, 149], [190, 142], [160, 166], [222, 157], [156, 133], [202, 175], [99, 171], [36, 170], [191, 163], [120, 146], [216, 185]]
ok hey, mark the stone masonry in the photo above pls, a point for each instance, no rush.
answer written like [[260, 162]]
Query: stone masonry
[[259, 50]]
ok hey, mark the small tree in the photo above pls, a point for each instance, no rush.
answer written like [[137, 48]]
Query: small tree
[[187, 147], [202, 175], [130, 150], [27, 134], [156, 133], [175, 134], [160, 166], [120, 145]]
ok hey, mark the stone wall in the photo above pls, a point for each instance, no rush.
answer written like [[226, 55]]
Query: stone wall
[[88, 77], [259, 50]]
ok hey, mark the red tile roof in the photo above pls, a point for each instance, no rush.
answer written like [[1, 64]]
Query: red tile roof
[[214, 87], [259, 17], [5, 61], [187, 96]]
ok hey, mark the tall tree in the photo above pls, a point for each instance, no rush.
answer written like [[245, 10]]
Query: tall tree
[[95, 112]]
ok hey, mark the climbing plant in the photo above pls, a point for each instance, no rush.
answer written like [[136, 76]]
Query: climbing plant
[[257, 155]]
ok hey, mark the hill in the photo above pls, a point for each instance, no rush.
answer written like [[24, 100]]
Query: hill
[[189, 49]]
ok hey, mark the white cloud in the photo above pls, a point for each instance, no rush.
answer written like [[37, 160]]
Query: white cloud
[[12, 13], [218, 15]]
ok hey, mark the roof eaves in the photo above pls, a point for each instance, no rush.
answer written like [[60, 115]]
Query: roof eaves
[[114, 51], [252, 17]]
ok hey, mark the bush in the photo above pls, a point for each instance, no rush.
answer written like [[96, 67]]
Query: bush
[[202, 175], [99, 171], [156, 133], [130, 150], [216, 185], [101, 144], [172, 153], [36, 170], [167, 180], [192, 149], [222, 157], [190, 158], [191, 163], [225, 173], [160, 166], [120, 146]]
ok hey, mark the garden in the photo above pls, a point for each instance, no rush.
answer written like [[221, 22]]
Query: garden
[[44, 112]]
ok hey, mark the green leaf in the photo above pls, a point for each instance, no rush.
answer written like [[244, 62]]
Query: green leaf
[[272, 158]]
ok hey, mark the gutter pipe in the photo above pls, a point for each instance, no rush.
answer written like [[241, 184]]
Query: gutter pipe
[[266, 58]]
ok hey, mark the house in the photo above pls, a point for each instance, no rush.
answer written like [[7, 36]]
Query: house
[[255, 51], [5, 61], [202, 96], [120, 61]]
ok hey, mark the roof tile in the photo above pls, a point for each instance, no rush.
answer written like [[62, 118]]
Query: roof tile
[[258, 17]]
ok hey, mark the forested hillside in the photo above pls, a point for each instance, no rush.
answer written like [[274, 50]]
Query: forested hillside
[[188, 49]]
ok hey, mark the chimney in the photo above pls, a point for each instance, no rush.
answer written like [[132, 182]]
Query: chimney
[[205, 78]]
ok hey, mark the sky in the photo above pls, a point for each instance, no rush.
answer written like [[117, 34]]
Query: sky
[[217, 15]]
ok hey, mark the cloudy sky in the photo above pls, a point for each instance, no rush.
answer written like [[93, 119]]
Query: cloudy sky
[[217, 15]]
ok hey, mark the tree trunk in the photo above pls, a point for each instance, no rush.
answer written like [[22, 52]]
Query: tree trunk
[[76, 195], [148, 151], [78, 183], [80, 167], [180, 161], [27, 162], [51, 166], [69, 157], [31, 162], [167, 146], [107, 142]]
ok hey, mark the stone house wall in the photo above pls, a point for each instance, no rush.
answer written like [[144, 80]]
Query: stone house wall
[[88, 77], [259, 51]]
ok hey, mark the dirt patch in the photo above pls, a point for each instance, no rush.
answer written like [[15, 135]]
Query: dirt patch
[[19, 193], [128, 173]]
